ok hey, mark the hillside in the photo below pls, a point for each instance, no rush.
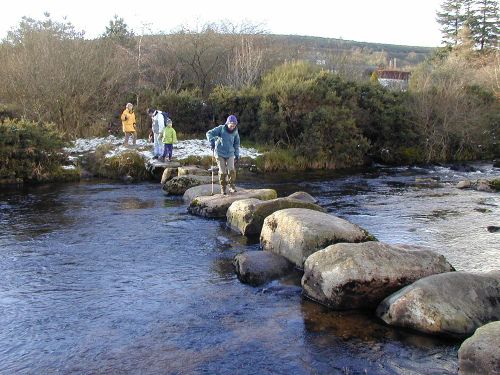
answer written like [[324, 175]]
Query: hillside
[[327, 51]]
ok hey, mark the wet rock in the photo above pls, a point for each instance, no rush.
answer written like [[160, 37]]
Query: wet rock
[[427, 181], [192, 170], [296, 233], [201, 191], [463, 168], [216, 206], [480, 353], [358, 276], [479, 185], [260, 267], [247, 216], [465, 184], [493, 228], [450, 304], [303, 196], [127, 178], [178, 185], [484, 185], [156, 168], [168, 174]]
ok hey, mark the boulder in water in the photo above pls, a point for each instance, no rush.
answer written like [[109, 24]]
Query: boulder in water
[[360, 275], [192, 170], [200, 191], [168, 174], [216, 206], [156, 168], [480, 353], [450, 304], [303, 196], [464, 184], [247, 216], [296, 233], [178, 185], [259, 267]]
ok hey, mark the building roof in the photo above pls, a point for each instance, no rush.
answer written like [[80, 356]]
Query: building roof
[[393, 74]]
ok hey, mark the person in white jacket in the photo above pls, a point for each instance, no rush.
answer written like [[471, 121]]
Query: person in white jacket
[[157, 126]]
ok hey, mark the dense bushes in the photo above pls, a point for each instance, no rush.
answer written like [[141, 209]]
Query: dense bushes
[[189, 112], [30, 152], [244, 103]]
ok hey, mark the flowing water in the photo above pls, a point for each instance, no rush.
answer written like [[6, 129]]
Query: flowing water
[[100, 277]]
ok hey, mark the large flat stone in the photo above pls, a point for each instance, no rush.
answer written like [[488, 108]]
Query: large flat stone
[[192, 170], [360, 275], [201, 191], [178, 185], [296, 233], [216, 206], [247, 216]]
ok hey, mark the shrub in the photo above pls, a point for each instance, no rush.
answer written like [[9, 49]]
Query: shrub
[[30, 151], [189, 112], [281, 160], [244, 103]]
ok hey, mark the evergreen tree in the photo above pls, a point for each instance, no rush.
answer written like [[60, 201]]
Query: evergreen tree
[[487, 31], [118, 31], [469, 15], [451, 20]]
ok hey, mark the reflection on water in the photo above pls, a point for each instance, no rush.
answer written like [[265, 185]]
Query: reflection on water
[[133, 203], [114, 278]]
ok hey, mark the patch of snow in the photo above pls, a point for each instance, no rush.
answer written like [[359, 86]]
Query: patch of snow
[[68, 167], [182, 149]]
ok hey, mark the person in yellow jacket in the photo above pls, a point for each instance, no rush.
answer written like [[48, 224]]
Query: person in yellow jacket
[[128, 124], [169, 138]]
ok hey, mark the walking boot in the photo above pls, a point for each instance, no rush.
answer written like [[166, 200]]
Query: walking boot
[[223, 184], [232, 181]]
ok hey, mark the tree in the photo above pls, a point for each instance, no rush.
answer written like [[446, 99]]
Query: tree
[[451, 20], [480, 16], [47, 26], [118, 31], [49, 72], [245, 64], [487, 30]]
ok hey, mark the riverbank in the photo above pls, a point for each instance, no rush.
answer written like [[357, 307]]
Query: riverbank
[[107, 157]]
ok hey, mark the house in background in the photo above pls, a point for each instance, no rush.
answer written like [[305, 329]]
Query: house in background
[[393, 78]]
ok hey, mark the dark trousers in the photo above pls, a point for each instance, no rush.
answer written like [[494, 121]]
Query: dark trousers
[[167, 150]]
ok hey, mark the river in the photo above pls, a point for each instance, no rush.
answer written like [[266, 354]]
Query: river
[[103, 277]]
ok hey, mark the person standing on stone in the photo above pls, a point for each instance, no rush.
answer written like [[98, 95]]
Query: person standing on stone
[[225, 142], [128, 124], [157, 126], [169, 138]]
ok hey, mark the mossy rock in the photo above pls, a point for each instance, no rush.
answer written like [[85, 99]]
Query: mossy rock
[[129, 163]]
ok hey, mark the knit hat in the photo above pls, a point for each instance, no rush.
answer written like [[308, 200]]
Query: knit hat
[[233, 119]]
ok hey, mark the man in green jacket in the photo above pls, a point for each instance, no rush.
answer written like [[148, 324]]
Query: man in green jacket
[[225, 141]]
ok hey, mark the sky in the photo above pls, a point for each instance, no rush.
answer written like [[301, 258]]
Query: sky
[[406, 22]]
